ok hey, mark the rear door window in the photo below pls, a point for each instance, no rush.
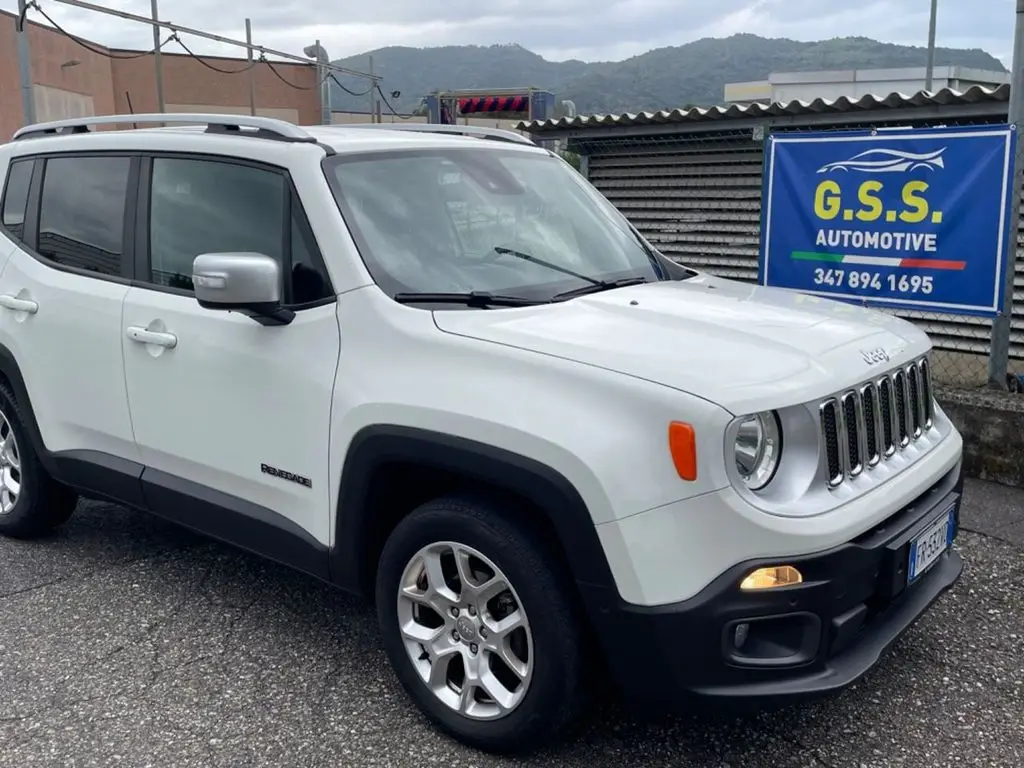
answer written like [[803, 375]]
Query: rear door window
[[81, 217], [15, 199]]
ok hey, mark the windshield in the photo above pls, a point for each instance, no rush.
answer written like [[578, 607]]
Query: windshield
[[498, 221]]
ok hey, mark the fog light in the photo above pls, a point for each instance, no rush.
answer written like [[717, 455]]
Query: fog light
[[740, 636], [768, 578]]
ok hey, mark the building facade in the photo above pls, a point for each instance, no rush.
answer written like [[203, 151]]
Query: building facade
[[784, 87], [69, 80]]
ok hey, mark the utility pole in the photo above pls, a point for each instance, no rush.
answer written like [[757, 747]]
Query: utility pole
[[251, 73], [323, 72], [28, 100], [324, 84], [930, 71], [999, 352], [373, 93], [157, 61]]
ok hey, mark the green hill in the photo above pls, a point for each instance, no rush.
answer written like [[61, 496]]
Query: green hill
[[695, 73]]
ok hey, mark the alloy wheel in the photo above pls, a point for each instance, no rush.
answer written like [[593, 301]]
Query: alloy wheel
[[10, 467], [465, 630]]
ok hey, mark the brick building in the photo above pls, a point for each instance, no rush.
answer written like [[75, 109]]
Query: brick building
[[71, 81]]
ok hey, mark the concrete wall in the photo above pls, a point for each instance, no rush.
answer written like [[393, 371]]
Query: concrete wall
[[78, 84], [783, 87], [188, 82], [992, 425], [291, 115], [348, 118], [351, 118], [56, 103], [72, 81], [752, 90]]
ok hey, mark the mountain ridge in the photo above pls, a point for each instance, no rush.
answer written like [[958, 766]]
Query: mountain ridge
[[647, 81]]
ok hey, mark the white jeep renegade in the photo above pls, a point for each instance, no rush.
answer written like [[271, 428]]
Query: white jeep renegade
[[442, 372]]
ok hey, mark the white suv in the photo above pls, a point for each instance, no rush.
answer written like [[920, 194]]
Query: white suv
[[443, 372]]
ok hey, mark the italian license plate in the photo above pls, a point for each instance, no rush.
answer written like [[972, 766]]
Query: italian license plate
[[929, 546]]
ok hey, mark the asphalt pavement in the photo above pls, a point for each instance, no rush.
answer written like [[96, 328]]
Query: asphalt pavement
[[127, 642]]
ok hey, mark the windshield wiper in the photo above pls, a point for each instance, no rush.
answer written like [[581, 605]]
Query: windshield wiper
[[548, 264], [595, 284], [604, 285], [480, 299]]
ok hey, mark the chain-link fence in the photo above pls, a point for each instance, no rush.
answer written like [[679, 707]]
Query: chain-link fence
[[695, 192]]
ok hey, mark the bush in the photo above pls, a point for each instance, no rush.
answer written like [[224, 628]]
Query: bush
[[571, 158]]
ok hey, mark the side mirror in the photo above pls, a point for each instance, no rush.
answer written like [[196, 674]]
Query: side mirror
[[249, 283]]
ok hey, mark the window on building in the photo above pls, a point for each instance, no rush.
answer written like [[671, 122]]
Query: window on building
[[15, 200], [81, 217]]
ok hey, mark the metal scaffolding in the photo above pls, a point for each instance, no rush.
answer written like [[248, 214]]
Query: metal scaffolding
[[325, 69], [210, 36]]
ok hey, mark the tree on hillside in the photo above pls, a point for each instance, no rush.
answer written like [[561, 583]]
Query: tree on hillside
[[695, 73]]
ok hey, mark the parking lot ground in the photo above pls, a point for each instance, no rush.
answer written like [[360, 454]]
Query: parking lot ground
[[125, 641]]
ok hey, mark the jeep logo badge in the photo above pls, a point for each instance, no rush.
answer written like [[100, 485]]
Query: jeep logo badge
[[875, 356], [466, 629]]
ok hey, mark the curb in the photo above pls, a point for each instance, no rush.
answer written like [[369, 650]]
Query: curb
[[992, 425]]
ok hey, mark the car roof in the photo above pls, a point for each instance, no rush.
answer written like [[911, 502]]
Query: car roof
[[77, 134]]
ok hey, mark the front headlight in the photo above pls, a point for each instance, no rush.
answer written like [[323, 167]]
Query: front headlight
[[758, 448]]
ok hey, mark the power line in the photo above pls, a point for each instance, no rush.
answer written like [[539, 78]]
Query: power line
[[210, 36], [87, 46], [346, 90], [387, 104], [281, 77], [262, 59], [208, 65], [175, 35]]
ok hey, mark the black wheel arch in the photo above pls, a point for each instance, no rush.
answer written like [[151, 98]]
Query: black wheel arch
[[10, 371], [425, 463]]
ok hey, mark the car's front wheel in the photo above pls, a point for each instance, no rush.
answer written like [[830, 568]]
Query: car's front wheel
[[478, 621]]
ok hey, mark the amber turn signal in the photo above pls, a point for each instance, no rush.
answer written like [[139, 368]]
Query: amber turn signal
[[682, 445]]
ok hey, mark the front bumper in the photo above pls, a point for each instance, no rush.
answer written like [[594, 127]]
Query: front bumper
[[805, 640]]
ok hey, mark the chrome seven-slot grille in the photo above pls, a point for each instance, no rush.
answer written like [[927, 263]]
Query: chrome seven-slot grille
[[869, 424]]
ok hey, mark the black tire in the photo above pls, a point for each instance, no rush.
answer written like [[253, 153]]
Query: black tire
[[42, 504], [553, 701]]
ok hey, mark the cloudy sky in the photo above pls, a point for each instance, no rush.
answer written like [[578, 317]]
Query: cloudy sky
[[557, 29]]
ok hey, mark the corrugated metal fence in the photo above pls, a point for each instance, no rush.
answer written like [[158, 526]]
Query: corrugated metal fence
[[694, 189]]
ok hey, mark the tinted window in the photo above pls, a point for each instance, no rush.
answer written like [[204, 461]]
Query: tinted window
[[16, 197], [309, 277], [202, 206], [207, 206], [81, 219]]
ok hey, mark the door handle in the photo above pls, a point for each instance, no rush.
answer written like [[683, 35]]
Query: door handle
[[20, 305], [143, 336]]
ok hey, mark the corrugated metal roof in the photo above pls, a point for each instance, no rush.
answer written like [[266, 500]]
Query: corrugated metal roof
[[946, 97]]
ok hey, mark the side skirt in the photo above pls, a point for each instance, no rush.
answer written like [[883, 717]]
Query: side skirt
[[204, 510]]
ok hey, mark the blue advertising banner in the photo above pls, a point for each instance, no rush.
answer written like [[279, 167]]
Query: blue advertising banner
[[912, 219]]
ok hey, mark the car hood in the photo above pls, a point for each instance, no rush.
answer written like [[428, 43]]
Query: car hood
[[744, 347]]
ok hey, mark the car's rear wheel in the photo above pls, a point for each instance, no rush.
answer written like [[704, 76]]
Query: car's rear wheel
[[478, 621], [31, 502]]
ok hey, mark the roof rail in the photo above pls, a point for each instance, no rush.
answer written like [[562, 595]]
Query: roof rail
[[265, 127], [479, 131]]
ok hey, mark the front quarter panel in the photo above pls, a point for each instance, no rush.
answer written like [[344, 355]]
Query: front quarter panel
[[606, 433]]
